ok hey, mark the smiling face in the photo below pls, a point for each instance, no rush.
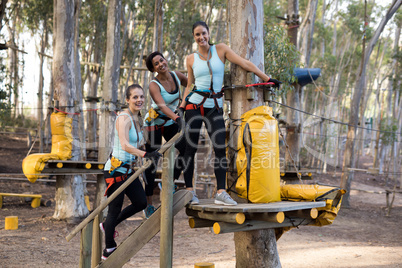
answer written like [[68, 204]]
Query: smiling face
[[201, 36], [160, 64], [135, 99]]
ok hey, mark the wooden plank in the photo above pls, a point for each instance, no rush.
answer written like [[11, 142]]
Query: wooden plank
[[303, 213], [143, 233], [76, 162], [199, 223], [278, 217], [249, 225], [209, 205], [237, 217], [69, 171]]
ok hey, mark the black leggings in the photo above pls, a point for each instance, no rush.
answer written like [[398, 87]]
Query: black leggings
[[215, 126], [154, 143], [135, 192]]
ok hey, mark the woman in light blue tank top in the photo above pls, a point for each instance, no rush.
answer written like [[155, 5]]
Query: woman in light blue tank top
[[205, 103], [128, 134], [165, 93]]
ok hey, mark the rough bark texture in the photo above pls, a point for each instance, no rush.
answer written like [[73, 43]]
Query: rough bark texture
[[293, 97], [246, 21], [110, 88], [348, 160], [69, 197], [258, 249], [158, 26]]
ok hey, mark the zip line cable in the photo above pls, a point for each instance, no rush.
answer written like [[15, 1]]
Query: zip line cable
[[332, 120]]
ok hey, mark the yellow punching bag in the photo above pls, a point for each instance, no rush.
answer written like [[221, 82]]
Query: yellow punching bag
[[258, 157]]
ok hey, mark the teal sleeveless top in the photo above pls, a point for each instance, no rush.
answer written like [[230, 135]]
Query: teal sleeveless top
[[118, 152], [203, 78], [171, 99]]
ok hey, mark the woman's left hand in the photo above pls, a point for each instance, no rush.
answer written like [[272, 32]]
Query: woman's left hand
[[276, 82]]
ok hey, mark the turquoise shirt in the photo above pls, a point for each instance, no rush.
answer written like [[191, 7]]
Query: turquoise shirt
[[171, 100], [203, 78], [118, 152]]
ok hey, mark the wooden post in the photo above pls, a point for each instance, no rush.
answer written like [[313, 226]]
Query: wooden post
[[96, 241], [166, 242], [246, 25], [86, 242]]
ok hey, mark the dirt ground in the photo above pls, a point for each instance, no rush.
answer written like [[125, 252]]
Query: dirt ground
[[361, 236]]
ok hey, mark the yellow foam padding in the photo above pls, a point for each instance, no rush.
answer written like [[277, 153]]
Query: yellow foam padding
[[263, 180], [61, 135], [33, 164], [331, 195], [62, 138], [303, 192]]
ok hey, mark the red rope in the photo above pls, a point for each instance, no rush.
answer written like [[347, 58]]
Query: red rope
[[261, 84], [65, 112]]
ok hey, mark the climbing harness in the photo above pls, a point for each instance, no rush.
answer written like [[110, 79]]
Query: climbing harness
[[154, 113], [205, 94]]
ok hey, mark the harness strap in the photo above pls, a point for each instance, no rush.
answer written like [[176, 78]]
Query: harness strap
[[111, 181], [155, 127]]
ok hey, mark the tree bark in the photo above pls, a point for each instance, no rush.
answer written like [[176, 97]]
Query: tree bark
[[70, 203], [43, 45], [293, 128], [158, 26], [246, 22], [110, 89], [348, 159]]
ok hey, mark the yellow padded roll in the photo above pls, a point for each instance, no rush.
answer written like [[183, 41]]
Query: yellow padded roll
[[62, 138], [33, 164]]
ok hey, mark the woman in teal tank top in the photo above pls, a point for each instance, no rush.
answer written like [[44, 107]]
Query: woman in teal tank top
[[128, 134], [205, 70], [165, 93]]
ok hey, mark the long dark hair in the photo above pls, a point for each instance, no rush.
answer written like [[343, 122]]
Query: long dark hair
[[203, 24], [149, 59]]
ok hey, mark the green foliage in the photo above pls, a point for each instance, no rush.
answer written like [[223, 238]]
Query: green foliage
[[34, 13], [389, 136], [280, 55], [5, 93]]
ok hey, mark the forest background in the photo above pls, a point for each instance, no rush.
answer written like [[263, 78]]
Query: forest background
[[332, 35]]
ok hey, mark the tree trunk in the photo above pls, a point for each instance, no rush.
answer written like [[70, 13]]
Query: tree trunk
[[158, 26], [110, 89], [69, 196], [93, 81], [43, 45], [348, 160], [293, 97], [246, 22]]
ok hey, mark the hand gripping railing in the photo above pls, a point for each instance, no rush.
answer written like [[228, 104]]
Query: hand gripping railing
[[106, 202]]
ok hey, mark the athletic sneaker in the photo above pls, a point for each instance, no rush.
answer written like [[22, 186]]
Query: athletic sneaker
[[224, 199], [106, 253], [116, 233], [148, 211], [174, 189], [194, 200]]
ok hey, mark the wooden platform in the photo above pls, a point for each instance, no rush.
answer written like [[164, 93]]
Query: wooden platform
[[208, 205], [69, 167], [248, 216]]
